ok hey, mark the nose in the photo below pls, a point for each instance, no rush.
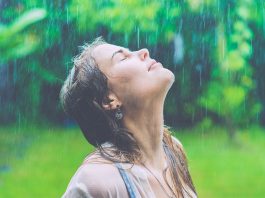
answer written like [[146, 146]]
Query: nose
[[143, 53]]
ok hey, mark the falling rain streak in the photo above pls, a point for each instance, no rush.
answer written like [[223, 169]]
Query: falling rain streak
[[214, 48]]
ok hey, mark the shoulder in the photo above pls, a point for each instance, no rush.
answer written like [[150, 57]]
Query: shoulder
[[176, 143], [172, 140], [78, 191], [178, 147], [94, 179]]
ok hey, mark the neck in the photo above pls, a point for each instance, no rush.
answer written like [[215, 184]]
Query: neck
[[147, 125]]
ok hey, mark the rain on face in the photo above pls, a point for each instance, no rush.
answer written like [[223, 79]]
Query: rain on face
[[132, 73]]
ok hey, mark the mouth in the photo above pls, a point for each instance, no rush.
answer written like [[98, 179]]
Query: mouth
[[152, 63]]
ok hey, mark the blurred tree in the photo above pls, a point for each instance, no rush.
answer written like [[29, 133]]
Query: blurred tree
[[229, 93], [257, 21], [152, 21], [207, 44], [15, 42]]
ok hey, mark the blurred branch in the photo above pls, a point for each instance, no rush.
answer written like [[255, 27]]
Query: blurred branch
[[15, 44]]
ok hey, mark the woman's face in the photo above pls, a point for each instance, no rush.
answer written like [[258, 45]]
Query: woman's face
[[132, 75]]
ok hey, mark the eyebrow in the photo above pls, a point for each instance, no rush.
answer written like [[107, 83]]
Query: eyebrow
[[119, 51]]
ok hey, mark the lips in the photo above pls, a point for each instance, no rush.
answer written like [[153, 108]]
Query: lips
[[152, 63]]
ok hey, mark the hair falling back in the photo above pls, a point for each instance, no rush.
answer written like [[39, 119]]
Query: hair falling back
[[82, 95]]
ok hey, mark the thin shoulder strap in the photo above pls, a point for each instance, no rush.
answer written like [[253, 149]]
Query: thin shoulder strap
[[127, 180]]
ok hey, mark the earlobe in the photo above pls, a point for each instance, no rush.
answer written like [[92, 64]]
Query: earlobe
[[106, 106], [111, 102]]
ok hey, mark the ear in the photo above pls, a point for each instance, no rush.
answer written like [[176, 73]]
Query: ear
[[112, 103]]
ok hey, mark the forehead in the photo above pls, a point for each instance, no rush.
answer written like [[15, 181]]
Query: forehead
[[104, 52]]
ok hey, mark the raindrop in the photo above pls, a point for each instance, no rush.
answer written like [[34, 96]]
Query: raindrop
[[67, 15], [126, 39], [14, 71], [183, 75], [199, 69], [178, 49], [138, 37]]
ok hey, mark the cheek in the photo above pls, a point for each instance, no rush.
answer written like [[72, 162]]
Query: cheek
[[126, 83], [127, 74], [130, 72], [129, 67]]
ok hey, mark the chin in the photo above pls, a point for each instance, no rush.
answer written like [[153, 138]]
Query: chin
[[169, 77]]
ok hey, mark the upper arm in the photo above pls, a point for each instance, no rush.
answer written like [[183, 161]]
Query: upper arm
[[77, 191], [96, 180]]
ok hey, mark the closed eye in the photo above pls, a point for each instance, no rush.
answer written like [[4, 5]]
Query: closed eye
[[124, 58]]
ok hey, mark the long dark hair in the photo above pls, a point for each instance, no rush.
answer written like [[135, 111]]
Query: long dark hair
[[82, 95]]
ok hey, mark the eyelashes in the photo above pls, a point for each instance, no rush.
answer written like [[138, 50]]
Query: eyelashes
[[123, 58], [124, 55]]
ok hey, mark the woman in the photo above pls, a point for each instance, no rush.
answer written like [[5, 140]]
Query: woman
[[117, 97]]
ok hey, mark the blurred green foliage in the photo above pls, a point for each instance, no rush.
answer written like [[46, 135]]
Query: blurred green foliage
[[214, 48], [229, 92], [15, 44], [45, 167]]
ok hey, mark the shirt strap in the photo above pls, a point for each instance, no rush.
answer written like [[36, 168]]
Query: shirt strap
[[127, 180]]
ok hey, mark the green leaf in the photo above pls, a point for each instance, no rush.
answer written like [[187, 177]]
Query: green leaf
[[245, 49], [243, 12], [239, 26], [233, 61], [14, 44], [22, 22], [234, 96]]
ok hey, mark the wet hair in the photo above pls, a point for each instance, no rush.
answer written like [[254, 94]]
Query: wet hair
[[82, 95]]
